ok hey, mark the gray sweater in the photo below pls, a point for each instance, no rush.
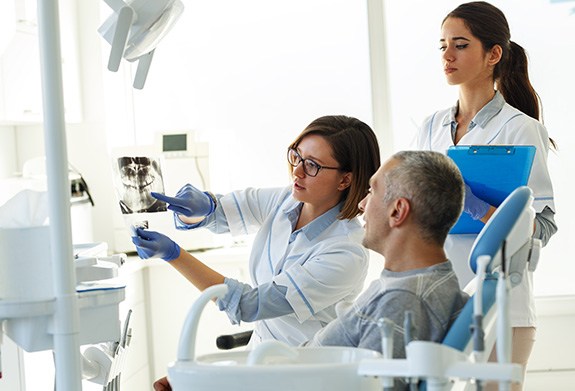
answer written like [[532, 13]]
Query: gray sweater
[[432, 295]]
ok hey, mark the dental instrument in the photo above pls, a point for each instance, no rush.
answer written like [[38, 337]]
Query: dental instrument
[[409, 330], [386, 327], [477, 326], [503, 346]]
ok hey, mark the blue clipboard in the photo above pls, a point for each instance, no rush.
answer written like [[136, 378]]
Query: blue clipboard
[[492, 172]]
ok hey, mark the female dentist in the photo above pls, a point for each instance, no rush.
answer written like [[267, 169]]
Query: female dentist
[[497, 105], [307, 254]]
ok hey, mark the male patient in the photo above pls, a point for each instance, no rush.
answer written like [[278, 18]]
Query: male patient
[[414, 200]]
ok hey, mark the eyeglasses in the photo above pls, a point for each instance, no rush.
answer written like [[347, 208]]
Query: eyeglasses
[[310, 167]]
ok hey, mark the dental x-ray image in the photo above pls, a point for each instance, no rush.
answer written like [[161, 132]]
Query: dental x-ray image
[[137, 178]]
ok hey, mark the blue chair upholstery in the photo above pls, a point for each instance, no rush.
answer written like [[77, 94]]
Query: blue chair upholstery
[[488, 242], [499, 227]]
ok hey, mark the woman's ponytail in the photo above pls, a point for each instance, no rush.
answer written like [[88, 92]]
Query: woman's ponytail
[[512, 79], [513, 82], [489, 25]]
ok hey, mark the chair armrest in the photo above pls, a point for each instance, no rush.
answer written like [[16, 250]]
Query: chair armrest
[[227, 342]]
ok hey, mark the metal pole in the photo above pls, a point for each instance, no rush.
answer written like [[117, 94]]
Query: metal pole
[[67, 355]]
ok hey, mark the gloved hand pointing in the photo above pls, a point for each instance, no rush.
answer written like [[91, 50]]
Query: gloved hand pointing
[[151, 244], [189, 201], [474, 206]]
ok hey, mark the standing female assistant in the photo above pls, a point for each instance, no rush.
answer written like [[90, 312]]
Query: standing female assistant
[[496, 105]]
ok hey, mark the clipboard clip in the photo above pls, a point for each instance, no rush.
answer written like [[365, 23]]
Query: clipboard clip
[[491, 150]]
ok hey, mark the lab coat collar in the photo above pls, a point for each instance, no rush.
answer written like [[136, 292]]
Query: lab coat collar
[[490, 110], [318, 225], [486, 114]]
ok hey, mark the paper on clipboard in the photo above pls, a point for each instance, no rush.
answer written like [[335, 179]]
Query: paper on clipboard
[[492, 172]]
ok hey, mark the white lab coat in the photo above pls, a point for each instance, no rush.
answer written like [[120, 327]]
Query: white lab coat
[[497, 123], [320, 265]]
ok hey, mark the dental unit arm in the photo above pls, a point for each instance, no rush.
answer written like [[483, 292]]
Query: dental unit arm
[[506, 248]]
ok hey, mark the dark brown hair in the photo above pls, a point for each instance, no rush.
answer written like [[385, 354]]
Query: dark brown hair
[[355, 148], [488, 24]]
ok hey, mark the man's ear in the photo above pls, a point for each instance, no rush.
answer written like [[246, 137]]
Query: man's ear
[[495, 54], [345, 181], [400, 211]]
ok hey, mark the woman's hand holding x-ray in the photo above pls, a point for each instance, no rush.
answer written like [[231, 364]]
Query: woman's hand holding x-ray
[[151, 244], [474, 206], [189, 201]]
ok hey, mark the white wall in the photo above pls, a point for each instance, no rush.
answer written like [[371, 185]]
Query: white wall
[[8, 161], [418, 88]]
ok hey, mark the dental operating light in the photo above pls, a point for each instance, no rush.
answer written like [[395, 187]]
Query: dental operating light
[[134, 30]]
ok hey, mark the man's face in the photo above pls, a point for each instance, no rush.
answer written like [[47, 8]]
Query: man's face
[[375, 210]]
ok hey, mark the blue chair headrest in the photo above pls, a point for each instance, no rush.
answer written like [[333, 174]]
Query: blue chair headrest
[[499, 226]]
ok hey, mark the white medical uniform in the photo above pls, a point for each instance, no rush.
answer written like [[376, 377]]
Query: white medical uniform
[[320, 264], [497, 123]]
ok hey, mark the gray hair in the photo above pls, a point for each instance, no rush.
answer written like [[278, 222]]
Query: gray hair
[[434, 187]]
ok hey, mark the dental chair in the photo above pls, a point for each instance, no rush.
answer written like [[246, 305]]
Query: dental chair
[[503, 251]]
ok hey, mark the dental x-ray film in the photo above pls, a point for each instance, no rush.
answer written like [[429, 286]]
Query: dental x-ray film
[[136, 178]]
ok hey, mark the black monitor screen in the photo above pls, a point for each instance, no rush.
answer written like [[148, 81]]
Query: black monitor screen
[[174, 142]]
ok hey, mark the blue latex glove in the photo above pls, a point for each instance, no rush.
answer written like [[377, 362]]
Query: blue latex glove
[[474, 206], [189, 201], [151, 244]]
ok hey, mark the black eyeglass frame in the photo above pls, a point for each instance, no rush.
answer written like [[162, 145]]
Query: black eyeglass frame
[[318, 167]]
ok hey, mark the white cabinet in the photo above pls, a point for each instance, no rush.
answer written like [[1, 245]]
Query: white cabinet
[[20, 80]]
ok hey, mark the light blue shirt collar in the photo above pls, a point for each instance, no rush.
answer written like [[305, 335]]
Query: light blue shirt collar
[[482, 118], [318, 225]]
